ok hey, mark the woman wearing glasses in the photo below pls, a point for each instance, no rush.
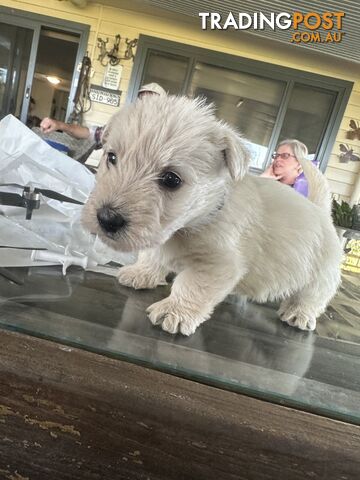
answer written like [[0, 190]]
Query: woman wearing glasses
[[285, 166]]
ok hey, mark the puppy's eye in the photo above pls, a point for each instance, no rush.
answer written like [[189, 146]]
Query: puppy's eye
[[170, 180], [111, 158]]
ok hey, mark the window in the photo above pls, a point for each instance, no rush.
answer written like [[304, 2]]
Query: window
[[169, 71], [306, 115], [249, 102], [266, 103]]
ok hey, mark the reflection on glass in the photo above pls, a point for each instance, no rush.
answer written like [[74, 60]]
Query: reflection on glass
[[307, 115], [249, 102], [167, 70], [15, 46], [243, 347]]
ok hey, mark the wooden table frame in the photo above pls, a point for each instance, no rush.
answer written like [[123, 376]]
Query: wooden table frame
[[70, 414]]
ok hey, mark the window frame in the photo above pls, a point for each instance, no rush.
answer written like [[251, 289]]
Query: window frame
[[291, 76]]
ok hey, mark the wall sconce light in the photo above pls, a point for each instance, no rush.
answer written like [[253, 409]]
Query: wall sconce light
[[113, 54]]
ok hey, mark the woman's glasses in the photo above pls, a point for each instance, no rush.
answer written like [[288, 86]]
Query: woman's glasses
[[284, 156]]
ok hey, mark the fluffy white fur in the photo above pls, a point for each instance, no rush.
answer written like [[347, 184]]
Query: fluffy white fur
[[222, 230]]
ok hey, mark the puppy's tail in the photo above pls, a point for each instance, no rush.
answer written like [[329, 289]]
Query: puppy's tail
[[318, 187]]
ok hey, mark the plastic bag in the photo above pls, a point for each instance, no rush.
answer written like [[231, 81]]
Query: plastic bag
[[27, 160]]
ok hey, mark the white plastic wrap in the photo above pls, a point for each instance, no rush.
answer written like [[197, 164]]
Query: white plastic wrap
[[25, 159]]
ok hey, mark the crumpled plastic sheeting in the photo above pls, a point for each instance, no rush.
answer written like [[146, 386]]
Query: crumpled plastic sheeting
[[27, 160]]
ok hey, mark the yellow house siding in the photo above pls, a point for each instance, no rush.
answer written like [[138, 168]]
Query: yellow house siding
[[61, 9], [343, 177], [107, 21]]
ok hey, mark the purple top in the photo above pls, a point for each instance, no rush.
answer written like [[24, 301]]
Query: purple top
[[301, 184]]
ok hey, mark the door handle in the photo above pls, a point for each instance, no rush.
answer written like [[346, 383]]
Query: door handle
[[27, 92]]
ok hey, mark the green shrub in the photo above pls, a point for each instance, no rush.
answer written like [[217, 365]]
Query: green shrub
[[343, 215]]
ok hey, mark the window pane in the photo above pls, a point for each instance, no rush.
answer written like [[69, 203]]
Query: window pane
[[15, 46], [167, 70], [307, 115], [249, 102]]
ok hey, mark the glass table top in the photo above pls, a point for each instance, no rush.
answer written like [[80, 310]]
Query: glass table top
[[243, 347]]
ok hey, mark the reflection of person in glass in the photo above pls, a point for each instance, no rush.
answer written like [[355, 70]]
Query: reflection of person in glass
[[286, 167]]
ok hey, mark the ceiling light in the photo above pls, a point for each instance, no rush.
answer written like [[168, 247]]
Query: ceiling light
[[53, 80]]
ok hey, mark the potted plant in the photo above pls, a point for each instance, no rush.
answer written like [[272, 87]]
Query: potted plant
[[344, 217]]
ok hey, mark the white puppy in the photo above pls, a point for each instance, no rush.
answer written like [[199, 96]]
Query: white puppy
[[173, 185]]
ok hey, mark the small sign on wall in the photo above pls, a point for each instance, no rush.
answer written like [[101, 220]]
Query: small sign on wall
[[105, 95], [112, 76]]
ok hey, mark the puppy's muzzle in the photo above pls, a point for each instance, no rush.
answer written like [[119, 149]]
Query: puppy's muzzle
[[110, 220]]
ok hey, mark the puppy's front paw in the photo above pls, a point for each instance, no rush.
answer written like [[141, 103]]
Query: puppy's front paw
[[135, 277], [174, 317], [297, 317]]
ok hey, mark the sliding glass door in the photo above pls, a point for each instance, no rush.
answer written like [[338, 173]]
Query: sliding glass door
[[18, 46], [35, 49]]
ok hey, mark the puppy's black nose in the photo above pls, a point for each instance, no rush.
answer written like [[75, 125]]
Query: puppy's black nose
[[109, 220]]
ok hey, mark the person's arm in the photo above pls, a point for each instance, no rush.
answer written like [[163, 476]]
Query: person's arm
[[49, 125]]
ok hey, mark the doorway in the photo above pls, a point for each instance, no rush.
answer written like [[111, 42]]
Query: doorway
[[39, 56], [54, 69]]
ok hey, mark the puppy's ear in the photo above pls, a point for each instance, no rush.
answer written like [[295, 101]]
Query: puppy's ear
[[236, 154]]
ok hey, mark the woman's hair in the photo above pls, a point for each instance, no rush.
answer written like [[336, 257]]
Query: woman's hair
[[300, 149]]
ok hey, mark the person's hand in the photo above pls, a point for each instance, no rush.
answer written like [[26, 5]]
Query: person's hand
[[269, 173], [49, 125]]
